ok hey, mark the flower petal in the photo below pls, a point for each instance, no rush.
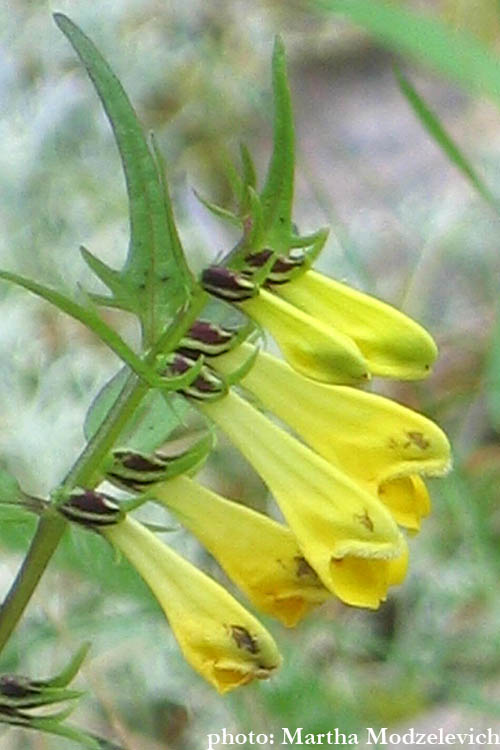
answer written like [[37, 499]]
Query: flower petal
[[408, 500], [260, 555], [364, 583], [218, 637], [393, 344], [370, 437], [312, 347], [330, 515]]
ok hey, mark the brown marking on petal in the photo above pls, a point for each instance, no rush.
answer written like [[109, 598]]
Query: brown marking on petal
[[393, 444], [243, 639], [303, 568], [418, 439], [365, 520]]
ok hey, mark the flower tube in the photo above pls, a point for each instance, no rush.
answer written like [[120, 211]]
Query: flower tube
[[312, 347], [218, 637], [331, 516], [260, 555], [369, 437], [392, 344]]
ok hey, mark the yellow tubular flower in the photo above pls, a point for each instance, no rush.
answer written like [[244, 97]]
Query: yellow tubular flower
[[312, 347], [331, 516], [371, 437], [392, 344], [260, 555], [367, 436], [218, 637]]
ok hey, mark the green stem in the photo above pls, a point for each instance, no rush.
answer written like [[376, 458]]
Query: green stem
[[85, 473], [48, 535]]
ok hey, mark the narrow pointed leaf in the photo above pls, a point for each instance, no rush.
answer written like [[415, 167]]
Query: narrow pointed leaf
[[71, 670], [152, 276], [249, 173], [122, 297], [85, 315], [452, 52], [443, 139], [55, 727], [173, 236], [277, 193], [221, 213]]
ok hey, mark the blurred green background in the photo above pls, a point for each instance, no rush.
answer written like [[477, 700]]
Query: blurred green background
[[406, 226]]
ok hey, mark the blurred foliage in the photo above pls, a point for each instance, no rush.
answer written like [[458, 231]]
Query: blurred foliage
[[405, 224]]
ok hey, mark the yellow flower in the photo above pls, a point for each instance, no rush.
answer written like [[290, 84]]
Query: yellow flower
[[313, 347], [363, 583], [371, 438], [408, 500], [260, 555], [331, 516], [218, 637], [392, 344]]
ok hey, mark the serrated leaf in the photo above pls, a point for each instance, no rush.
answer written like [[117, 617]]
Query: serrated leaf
[[277, 194], [450, 51], [122, 297], [434, 127], [173, 236], [154, 283], [86, 315]]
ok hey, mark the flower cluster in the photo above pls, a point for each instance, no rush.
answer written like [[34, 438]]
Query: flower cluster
[[345, 466], [347, 482]]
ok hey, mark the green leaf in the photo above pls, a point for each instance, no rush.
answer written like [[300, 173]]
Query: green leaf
[[55, 727], [122, 297], [493, 376], [277, 193], [451, 52], [249, 173], [436, 130], [221, 213], [153, 422], [154, 281], [72, 668], [10, 491], [86, 315]]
